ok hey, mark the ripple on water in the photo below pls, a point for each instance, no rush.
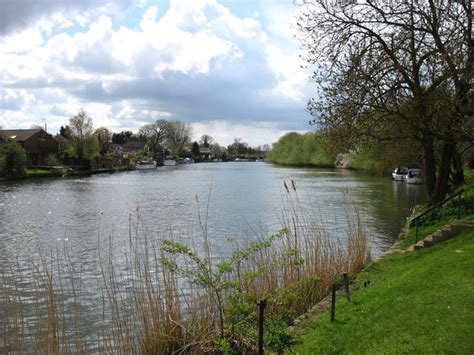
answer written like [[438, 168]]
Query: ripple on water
[[84, 221]]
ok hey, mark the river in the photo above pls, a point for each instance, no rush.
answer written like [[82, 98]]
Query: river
[[238, 198], [236, 202]]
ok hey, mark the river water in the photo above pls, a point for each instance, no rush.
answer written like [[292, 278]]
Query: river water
[[234, 201], [238, 199]]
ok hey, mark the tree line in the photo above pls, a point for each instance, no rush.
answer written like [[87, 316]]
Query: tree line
[[85, 146], [160, 138]]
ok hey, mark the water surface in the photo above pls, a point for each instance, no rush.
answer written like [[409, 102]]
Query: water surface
[[235, 199]]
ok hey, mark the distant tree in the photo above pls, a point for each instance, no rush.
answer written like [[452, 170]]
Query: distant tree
[[36, 126], [104, 135], [12, 160], [122, 137], [155, 134], [65, 132], [217, 151], [83, 144], [206, 140], [195, 150], [239, 147], [178, 134]]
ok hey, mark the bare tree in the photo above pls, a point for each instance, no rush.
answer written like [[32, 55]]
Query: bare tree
[[178, 134], [155, 134], [206, 140], [394, 70]]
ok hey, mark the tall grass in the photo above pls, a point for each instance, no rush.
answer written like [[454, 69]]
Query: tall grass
[[171, 298]]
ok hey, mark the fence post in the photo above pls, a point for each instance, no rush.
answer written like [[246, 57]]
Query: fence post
[[416, 238], [346, 286], [261, 318], [333, 303]]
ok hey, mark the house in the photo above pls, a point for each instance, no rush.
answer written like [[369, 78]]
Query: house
[[133, 146], [37, 144], [205, 153], [62, 142]]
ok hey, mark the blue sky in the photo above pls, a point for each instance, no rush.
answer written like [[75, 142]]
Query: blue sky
[[230, 68]]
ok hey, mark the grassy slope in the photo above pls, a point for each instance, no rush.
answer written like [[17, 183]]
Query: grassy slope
[[419, 302]]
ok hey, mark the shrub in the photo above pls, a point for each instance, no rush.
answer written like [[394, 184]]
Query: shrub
[[12, 160]]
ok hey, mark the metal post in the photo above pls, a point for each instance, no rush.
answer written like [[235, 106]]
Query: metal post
[[333, 303], [416, 238], [261, 318], [346, 286]]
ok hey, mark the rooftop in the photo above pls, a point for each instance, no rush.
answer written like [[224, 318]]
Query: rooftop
[[19, 135]]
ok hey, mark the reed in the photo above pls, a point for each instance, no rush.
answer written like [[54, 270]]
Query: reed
[[169, 298]]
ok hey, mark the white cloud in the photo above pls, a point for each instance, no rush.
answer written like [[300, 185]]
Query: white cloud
[[196, 63], [15, 100], [292, 78], [21, 41]]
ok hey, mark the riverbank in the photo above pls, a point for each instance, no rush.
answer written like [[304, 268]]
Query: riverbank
[[64, 171], [418, 302]]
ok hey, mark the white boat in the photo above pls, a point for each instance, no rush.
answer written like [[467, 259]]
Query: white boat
[[169, 161], [414, 176], [399, 174], [146, 164]]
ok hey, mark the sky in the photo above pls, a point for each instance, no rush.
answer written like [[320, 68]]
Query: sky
[[230, 68]]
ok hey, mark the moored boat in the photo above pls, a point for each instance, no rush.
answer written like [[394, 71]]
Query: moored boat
[[414, 176], [169, 161], [146, 164], [400, 173]]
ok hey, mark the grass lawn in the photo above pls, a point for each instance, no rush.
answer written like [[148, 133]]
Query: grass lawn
[[44, 172], [416, 303], [38, 171]]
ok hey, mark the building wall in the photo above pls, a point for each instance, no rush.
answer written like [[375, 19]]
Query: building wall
[[39, 147]]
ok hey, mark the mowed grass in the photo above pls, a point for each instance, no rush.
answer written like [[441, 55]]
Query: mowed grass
[[38, 171], [416, 303]]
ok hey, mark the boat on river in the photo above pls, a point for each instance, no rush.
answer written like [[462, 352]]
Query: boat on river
[[414, 176], [169, 161], [146, 164], [400, 173]]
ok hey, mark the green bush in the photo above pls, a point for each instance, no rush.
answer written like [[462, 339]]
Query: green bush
[[12, 160], [53, 160], [301, 149]]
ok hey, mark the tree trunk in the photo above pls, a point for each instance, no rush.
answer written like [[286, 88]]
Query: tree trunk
[[444, 171], [429, 166], [457, 176]]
